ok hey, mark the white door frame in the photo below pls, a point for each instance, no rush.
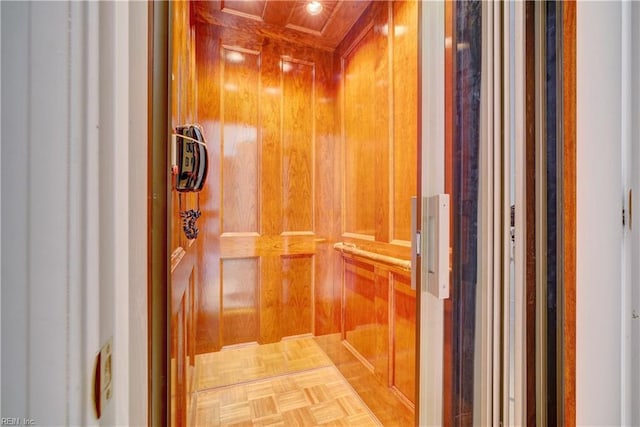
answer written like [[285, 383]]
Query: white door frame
[[431, 339]]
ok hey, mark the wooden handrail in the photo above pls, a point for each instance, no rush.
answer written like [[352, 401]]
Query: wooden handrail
[[349, 248]]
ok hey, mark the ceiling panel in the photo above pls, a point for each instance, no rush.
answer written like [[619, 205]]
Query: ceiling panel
[[302, 20], [253, 9], [285, 19]]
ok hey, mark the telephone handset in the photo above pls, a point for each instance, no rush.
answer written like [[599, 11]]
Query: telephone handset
[[190, 165], [191, 158]]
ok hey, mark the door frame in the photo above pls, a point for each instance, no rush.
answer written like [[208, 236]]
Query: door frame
[[159, 315], [431, 158]]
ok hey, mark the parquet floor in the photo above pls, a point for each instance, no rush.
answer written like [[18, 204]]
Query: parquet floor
[[382, 401], [290, 383], [253, 362]]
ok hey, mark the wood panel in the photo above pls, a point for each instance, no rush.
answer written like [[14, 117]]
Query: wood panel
[[208, 108], [286, 296], [270, 298], [359, 137], [404, 336], [183, 353], [382, 329], [240, 300], [359, 308], [179, 403], [379, 129], [327, 219], [405, 123], [379, 60], [298, 144], [187, 254], [263, 202], [240, 140], [271, 119], [569, 208], [297, 294], [326, 292]]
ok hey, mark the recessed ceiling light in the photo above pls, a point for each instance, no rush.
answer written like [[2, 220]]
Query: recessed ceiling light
[[314, 7], [235, 57]]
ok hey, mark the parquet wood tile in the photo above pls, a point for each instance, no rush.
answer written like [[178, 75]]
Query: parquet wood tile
[[299, 382], [252, 362], [380, 399], [319, 396]]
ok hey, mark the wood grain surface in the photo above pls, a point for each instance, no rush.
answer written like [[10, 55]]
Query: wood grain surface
[[308, 146], [569, 208]]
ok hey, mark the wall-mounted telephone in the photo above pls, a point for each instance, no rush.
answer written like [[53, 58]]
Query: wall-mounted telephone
[[191, 158], [190, 167]]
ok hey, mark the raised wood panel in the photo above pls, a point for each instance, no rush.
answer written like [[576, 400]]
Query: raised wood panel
[[240, 90], [366, 313], [179, 402], [366, 120], [270, 299], [382, 126], [297, 295], [240, 300], [208, 108], [359, 137], [298, 144], [405, 115], [271, 161], [286, 296], [381, 357], [404, 336], [182, 352], [359, 308], [326, 297]]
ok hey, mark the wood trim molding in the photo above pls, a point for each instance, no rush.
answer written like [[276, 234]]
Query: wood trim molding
[[569, 208], [158, 233]]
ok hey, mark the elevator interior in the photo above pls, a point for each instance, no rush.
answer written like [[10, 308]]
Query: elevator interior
[[311, 129]]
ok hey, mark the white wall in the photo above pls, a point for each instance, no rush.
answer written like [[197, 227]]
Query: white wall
[[138, 366], [39, 280], [73, 208], [599, 206], [634, 348]]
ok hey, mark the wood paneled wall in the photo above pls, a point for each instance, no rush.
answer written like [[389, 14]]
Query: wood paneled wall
[[378, 117], [378, 114], [308, 148], [187, 255], [267, 109]]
